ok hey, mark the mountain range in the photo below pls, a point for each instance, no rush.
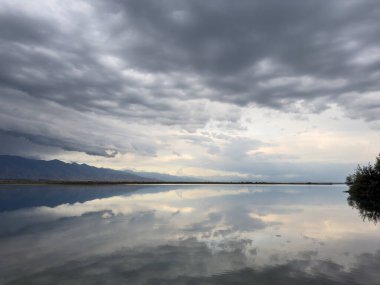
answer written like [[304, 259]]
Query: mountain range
[[20, 168], [164, 177]]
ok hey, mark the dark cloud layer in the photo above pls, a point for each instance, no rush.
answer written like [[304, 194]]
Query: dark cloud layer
[[269, 53], [179, 64]]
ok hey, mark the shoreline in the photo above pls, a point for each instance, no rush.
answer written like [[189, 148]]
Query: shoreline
[[94, 183]]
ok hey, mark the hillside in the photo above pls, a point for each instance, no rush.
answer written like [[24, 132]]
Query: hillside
[[164, 177], [19, 168]]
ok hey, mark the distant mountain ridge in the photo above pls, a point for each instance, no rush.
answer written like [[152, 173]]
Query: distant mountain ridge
[[20, 168], [164, 177]]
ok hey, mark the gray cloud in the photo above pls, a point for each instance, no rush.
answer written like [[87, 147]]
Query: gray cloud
[[51, 125], [50, 141], [270, 53], [22, 147], [272, 168], [240, 154], [67, 70]]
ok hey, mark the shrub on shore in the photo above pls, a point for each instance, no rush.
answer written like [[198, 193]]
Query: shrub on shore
[[364, 191], [366, 180]]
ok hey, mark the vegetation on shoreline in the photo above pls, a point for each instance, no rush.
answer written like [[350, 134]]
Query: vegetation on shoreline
[[366, 180], [364, 190]]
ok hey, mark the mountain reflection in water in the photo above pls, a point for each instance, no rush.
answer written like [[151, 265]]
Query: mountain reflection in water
[[185, 235]]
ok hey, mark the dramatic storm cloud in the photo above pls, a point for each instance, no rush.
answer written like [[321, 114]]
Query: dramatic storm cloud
[[259, 89]]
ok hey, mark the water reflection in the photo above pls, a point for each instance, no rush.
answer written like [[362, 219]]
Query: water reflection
[[189, 235], [14, 197], [368, 207]]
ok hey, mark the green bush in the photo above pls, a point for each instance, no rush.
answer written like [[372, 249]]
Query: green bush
[[366, 180], [364, 191]]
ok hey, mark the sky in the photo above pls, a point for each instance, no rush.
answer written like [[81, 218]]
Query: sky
[[251, 90]]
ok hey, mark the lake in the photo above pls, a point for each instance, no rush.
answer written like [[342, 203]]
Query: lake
[[185, 234]]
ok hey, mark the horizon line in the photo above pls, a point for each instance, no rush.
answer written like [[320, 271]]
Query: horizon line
[[94, 182]]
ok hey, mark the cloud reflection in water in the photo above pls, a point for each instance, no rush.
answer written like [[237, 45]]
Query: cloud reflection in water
[[193, 235]]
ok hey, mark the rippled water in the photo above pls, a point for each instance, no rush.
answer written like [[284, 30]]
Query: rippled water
[[186, 234]]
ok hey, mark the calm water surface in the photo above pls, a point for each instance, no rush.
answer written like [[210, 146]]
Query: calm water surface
[[185, 235]]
